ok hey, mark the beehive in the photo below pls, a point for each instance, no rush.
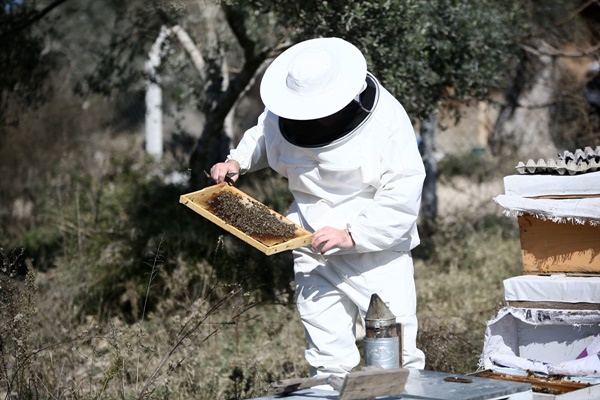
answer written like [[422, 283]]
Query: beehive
[[559, 220], [203, 203]]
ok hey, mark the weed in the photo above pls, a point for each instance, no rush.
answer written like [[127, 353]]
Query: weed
[[17, 306]]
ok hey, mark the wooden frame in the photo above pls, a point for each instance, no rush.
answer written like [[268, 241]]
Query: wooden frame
[[199, 202]]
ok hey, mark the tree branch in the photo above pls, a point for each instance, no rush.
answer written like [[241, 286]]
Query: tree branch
[[577, 12], [192, 50], [34, 18], [554, 52], [235, 20]]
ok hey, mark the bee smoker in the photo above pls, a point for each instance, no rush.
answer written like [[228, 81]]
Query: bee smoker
[[382, 342]]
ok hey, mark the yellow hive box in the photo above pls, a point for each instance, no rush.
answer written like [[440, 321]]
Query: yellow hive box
[[551, 247], [200, 200]]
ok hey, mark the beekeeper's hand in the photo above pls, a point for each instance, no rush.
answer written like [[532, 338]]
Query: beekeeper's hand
[[327, 238], [228, 171]]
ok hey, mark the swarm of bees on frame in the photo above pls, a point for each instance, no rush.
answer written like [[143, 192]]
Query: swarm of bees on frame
[[250, 217]]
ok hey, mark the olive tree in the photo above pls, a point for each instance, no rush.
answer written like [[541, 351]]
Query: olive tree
[[565, 37], [23, 63], [428, 54]]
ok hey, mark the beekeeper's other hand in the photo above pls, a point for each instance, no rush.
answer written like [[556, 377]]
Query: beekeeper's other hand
[[327, 238]]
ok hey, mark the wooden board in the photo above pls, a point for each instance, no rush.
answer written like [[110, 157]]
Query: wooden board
[[538, 384], [550, 247], [368, 383], [371, 383], [199, 201]]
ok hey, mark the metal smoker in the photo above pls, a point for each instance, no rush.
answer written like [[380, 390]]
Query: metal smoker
[[382, 342]]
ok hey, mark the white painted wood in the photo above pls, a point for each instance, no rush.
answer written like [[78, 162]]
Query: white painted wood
[[517, 396], [192, 50], [154, 134], [588, 393]]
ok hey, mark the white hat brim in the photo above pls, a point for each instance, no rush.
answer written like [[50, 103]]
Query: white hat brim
[[289, 104]]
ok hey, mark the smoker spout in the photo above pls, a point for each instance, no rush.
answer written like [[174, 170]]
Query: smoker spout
[[379, 320]]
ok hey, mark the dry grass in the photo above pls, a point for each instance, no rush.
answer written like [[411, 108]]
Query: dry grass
[[194, 347], [456, 301], [207, 335]]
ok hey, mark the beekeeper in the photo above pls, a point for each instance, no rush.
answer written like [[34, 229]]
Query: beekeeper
[[349, 153]]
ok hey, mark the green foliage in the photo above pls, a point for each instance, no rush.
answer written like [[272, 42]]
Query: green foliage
[[23, 64], [427, 53]]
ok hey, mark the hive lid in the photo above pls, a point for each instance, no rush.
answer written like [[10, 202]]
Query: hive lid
[[585, 185], [555, 288], [200, 202], [576, 210]]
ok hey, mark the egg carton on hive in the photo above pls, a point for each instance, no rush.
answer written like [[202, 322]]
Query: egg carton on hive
[[570, 163]]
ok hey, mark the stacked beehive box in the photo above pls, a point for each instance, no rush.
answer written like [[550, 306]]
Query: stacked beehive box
[[559, 221], [550, 325]]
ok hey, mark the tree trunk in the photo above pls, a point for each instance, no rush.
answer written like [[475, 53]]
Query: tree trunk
[[429, 209], [154, 133], [500, 141], [213, 145]]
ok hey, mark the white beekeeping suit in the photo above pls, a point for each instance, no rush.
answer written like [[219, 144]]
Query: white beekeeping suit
[[349, 153]]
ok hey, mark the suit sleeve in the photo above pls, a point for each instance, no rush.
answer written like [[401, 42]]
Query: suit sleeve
[[250, 152]]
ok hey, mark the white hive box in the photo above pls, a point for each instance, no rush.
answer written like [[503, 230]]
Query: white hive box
[[557, 291], [547, 335], [541, 347]]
